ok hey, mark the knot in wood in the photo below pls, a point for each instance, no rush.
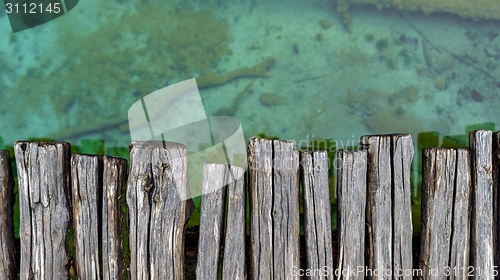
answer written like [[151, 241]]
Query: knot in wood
[[165, 166], [148, 184]]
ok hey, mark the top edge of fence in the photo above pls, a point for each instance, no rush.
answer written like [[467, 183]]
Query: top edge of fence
[[482, 130], [169, 144], [42, 143], [259, 139], [446, 148], [108, 157], [312, 152], [87, 155], [386, 135]]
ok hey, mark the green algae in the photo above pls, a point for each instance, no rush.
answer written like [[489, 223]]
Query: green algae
[[480, 126]]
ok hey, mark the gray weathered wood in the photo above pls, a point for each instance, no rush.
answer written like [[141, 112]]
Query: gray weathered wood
[[234, 263], [114, 177], [445, 214], [285, 215], [211, 219], [438, 183], [460, 239], [157, 215], [480, 142], [351, 203], [389, 203], [260, 156], [379, 202], [401, 161], [7, 249], [86, 178], [274, 191], [43, 171], [317, 210]]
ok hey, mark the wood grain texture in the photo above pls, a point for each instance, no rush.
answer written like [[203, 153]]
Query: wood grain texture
[[43, 171], [401, 160], [114, 177], [439, 172], [480, 142], [317, 211], [234, 263], [214, 182], [157, 215], [260, 156], [351, 203], [379, 202], [460, 239], [389, 202], [286, 227], [8, 269], [86, 178]]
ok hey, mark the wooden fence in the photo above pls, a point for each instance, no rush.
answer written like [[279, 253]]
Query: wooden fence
[[75, 203]]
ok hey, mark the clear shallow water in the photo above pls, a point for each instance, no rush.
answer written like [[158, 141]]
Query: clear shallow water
[[76, 77]]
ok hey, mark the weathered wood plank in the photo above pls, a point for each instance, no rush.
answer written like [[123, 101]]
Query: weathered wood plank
[[438, 183], [480, 142], [43, 171], [7, 249], [401, 161], [211, 219], [86, 178], [379, 202], [285, 215], [234, 263], [351, 203], [114, 177], [317, 211], [460, 239], [157, 215], [389, 203], [260, 156]]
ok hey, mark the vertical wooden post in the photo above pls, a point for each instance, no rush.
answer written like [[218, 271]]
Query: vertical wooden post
[[7, 250], [460, 239], [234, 248], [43, 171], [114, 177], [157, 215], [260, 155], [317, 211], [480, 142], [274, 190], [445, 214], [211, 219], [389, 204], [286, 227], [439, 167], [402, 152], [86, 177], [351, 203], [379, 202]]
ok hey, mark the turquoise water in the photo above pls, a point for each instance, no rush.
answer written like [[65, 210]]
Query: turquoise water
[[289, 69]]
